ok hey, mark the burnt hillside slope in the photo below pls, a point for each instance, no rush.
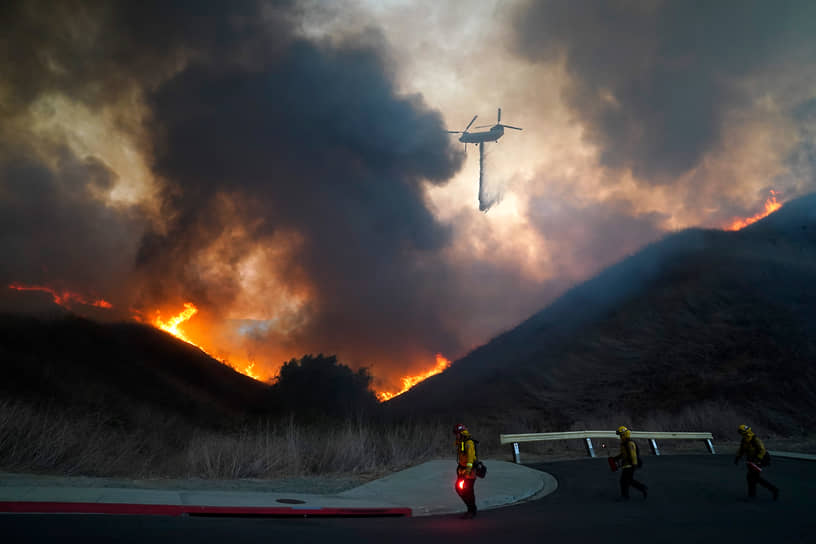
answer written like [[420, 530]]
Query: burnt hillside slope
[[701, 320], [120, 369]]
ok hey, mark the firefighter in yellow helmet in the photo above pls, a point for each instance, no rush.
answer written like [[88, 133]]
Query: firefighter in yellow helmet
[[756, 457], [628, 460], [465, 475]]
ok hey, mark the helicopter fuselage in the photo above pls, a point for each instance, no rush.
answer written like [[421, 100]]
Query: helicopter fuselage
[[491, 135]]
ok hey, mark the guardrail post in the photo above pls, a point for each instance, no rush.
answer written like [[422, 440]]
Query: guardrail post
[[516, 454], [590, 451], [653, 445], [710, 446]]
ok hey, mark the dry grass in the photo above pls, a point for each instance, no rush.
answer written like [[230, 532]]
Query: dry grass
[[48, 441], [274, 449], [38, 440]]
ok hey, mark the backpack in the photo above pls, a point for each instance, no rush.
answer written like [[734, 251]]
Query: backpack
[[637, 452], [478, 467], [765, 461]]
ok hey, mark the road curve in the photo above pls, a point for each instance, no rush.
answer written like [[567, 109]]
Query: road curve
[[694, 498]]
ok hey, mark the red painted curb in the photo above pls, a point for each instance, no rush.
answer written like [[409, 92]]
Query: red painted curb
[[37, 507]]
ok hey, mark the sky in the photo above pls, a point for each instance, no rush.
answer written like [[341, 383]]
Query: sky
[[284, 166]]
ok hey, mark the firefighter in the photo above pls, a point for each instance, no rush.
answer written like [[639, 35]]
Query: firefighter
[[465, 475], [756, 457], [628, 460]]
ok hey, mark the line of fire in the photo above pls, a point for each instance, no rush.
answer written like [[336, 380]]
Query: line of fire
[[173, 325]]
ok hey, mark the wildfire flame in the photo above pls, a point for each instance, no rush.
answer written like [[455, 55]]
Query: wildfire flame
[[409, 381], [64, 298], [172, 326], [771, 205]]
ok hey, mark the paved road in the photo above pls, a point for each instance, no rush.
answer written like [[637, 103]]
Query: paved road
[[694, 498]]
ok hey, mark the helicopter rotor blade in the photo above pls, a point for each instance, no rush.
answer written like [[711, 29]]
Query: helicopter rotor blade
[[454, 131], [510, 126], [482, 126], [471, 122]]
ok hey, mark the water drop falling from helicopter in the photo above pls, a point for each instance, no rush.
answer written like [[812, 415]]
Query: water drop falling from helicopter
[[486, 198]]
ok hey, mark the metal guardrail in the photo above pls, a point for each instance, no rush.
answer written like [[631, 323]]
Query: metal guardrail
[[587, 436], [793, 455]]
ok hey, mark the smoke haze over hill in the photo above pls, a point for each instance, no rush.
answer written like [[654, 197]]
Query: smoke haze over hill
[[283, 165]]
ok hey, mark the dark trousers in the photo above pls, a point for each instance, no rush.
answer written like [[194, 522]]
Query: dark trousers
[[755, 478], [467, 493], [627, 479]]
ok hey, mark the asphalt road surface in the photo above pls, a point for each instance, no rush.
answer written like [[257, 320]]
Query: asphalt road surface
[[694, 498]]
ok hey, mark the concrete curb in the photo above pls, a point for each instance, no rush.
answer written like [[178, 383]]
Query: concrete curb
[[181, 510], [422, 490], [428, 488]]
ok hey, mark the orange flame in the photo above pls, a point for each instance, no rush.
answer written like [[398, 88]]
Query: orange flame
[[409, 381], [172, 326], [64, 298], [771, 205]]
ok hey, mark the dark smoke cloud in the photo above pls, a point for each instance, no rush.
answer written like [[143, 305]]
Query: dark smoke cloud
[[94, 50], [321, 144], [54, 231], [653, 82], [256, 133]]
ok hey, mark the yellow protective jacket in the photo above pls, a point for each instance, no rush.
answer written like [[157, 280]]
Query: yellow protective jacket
[[466, 452], [751, 447], [628, 454]]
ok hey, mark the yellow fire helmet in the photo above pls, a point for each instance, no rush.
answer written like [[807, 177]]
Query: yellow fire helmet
[[744, 429], [623, 432]]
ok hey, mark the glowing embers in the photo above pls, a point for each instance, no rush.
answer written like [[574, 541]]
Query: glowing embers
[[409, 381], [63, 298], [771, 205]]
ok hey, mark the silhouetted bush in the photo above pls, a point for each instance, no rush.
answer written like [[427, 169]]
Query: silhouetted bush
[[319, 387]]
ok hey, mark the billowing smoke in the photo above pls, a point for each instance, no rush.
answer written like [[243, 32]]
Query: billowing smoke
[[655, 83], [280, 183], [155, 153]]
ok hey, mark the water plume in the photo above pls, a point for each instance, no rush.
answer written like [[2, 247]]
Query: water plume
[[487, 197]]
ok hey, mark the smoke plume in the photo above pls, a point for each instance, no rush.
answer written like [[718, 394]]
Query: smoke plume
[[280, 180]]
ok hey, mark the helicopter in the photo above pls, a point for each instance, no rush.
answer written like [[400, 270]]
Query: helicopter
[[496, 131]]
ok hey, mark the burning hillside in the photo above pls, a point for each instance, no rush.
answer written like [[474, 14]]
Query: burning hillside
[[771, 205], [410, 381], [63, 297], [175, 326]]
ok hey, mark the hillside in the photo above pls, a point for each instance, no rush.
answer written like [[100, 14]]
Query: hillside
[[701, 322], [121, 370]]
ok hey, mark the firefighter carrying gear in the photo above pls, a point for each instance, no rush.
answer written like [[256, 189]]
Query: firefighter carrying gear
[[465, 475], [466, 452], [628, 453], [629, 462], [755, 453]]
